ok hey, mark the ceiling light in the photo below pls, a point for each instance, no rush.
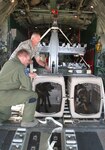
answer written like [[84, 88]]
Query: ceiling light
[[22, 12], [12, 1], [91, 7], [75, 16]]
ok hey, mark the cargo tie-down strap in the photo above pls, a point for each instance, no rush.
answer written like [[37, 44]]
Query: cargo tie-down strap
[[58, 129]]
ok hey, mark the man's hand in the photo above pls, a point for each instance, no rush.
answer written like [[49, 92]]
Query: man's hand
[[32, 75], [48, 68]]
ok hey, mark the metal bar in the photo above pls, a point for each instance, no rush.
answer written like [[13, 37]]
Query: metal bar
[[45, 33], [60, 11]]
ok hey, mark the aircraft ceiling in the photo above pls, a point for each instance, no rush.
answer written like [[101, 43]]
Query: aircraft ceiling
[[42, 13]]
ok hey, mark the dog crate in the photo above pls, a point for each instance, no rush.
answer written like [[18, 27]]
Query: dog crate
[[51, 95], [86, 96]]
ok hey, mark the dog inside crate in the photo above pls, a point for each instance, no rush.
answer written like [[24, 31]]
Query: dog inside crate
[[87, 100], [43, 90]]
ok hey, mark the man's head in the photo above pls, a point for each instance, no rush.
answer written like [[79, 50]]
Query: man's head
[[24, 57], [35, 39]]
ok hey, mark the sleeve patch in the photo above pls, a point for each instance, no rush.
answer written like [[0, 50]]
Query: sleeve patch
[[26, 71]]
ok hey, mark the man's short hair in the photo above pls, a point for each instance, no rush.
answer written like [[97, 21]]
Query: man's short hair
[[35, 34], [22, 52]]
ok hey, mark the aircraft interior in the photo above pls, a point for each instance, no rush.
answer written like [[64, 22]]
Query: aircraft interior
[[71, 99]]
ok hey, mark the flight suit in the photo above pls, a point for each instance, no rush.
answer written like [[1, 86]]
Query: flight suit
[[16, 88]]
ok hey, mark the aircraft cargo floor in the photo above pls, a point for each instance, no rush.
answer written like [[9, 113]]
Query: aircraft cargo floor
[[90, 135]]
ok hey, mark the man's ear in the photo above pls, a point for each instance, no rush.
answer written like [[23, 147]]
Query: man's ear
[[22, 58]]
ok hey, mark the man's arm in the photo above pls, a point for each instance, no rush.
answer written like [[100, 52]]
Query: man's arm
[[22, 45], [41, 63]]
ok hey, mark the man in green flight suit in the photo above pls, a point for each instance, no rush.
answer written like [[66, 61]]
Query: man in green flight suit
[[16, 88]]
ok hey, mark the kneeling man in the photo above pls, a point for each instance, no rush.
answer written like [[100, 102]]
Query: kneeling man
[[16, 88]]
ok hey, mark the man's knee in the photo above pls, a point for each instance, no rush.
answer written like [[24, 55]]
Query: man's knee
[[8, 116]]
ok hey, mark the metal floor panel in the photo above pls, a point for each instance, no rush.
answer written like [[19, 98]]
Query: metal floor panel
[[88, 141], [84, 128], [6, 137]]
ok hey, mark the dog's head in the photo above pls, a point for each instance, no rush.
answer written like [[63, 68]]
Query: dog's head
[[81, 93], [49, 87], [44, 87]]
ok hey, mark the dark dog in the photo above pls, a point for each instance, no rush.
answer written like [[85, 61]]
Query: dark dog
[[43, 90], [81, 98]]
